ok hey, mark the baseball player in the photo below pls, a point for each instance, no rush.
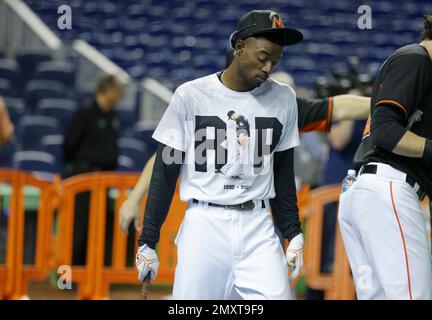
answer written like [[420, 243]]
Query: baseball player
[[380, 217], [227, 247], [313, 115]]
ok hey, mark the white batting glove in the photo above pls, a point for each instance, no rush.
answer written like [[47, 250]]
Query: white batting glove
[[130, 210], [294, 256], [146, 261]]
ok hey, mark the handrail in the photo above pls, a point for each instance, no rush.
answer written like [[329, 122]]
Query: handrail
[[49, 38]]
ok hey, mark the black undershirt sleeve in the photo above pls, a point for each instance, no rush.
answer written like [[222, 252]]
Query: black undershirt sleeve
[[284, 205], [314, 114], [387, 127], [162, 186]]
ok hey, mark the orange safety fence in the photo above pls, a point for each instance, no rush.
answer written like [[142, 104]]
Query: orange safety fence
[[95, 278], [14, 274], [338, 284]]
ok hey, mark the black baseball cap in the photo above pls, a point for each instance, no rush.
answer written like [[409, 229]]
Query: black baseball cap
[[260, 22]]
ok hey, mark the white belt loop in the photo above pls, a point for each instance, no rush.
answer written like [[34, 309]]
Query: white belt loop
[[204, 204], [258, 205]]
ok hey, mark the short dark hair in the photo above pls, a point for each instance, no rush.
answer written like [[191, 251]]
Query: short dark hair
[[427, 30], [106, 82], [230, 113]]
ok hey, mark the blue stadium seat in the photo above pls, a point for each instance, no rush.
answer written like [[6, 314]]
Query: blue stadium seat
[[31, 129], [146, 25], [9, 70], [6, 154], [37, 90], [143, 131], [126, 117], [137, 150], [28, 59], [36, 161], [126, 164], [5, 88], [63, 72], [53, 144], [15, 107], [61, 109]]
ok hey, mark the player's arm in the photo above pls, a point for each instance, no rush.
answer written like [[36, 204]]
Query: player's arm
[[162, 186], [284, 205], [388, 132], [142, 186], [318, 114], [285, 209], [130, 208], [341, 134], [350, 107]]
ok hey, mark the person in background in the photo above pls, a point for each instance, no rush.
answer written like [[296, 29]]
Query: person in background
[[91, 145], [91, 141]]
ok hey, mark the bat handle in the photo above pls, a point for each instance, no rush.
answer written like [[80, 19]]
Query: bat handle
[[145, 287]]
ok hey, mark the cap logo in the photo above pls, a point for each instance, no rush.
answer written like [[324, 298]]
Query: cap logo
[[277, 21]]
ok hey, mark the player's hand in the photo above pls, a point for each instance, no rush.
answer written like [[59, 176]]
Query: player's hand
[[294, 256], [130, 210], [146, 261]]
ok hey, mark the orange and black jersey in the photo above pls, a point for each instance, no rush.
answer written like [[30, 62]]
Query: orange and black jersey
[[403, 84], [314, 114]]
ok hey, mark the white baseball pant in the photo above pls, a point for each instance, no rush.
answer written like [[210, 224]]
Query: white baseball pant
[[229, 254], [385, 237]]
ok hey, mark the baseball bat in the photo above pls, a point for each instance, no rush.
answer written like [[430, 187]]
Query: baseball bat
[[145, 287]]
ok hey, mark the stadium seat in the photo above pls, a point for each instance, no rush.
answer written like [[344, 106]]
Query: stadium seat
[[15, 107], [126, 117], [53, 144], [37, 90], [330, 26], [9, 70], [137, 150], [32, 128], [126, 164], [61, 109], [6, 154], [28, 59], [143, 131], [63, 72], [5, 87], [36, 161]]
